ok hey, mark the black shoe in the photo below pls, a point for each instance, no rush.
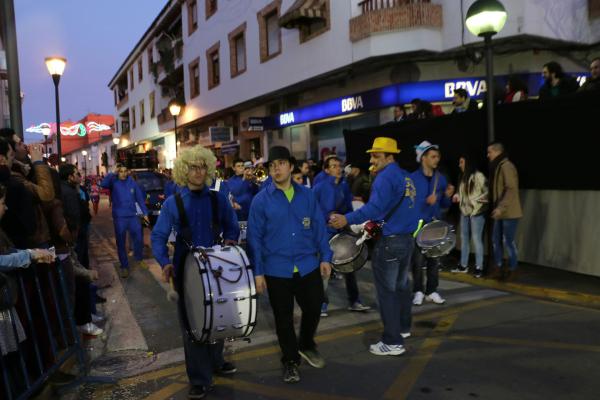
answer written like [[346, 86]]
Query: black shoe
[[291, 373], [460, 269], [478, 273], [100, 299], [313, 358], [197, 392], [226, 369]]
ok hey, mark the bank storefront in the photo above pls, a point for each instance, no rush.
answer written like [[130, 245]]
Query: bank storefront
[[316, 130]]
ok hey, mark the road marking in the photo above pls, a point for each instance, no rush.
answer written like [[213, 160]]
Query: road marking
[[276, 391], [526, 343], [585, 299], [403, 384], [167, 391], [162, 373]]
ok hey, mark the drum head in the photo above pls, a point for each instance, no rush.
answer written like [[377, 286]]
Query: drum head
[[344, 248], [436, 239], [194, 298]]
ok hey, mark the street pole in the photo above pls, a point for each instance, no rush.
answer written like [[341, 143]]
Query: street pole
[[489, 67], [176, 145], [9, 40], [56, 80]]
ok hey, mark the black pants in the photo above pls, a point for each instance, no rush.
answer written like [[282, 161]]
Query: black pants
[[351, 289], [308, 292], [431, 265]]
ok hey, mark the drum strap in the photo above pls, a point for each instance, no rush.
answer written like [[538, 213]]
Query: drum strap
[[186, 232]]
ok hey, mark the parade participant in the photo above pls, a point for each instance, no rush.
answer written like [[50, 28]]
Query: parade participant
[[127, 198], [95, 195], [193, 171], [305, 170], [393, 202], [288, 241], [433, 194], [297, 176], [242, 190], [333, 195], [506, 211]]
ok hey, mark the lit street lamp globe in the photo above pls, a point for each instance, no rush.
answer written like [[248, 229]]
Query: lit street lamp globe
[[486, 17], [56, 65], [83, 152], [174, 108], [116, 140]]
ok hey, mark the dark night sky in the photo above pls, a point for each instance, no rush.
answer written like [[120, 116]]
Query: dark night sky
[[94, 36]]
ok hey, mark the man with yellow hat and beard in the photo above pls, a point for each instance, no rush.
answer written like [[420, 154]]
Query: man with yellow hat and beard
[[392, 202]]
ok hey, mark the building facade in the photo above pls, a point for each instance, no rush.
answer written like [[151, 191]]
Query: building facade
[[253, 74]]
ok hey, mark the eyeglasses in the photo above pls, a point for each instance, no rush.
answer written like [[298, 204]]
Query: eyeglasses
[[197, 167]]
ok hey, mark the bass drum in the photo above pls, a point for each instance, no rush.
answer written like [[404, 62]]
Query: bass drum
[[436, 239], [219, 295], [347, 255]]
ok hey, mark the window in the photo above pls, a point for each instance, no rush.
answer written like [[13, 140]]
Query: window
[[151, 105], [142, 113], [140, 70], [116, 98], [273, 38], [214, 69], [269, 31], [133, 117], [317, 26], [131, 83], [192, 9], [211, 8], [150, 58], [194, 70], [237, 50]]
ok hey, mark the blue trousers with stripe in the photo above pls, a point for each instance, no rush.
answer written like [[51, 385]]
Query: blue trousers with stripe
[[134, 227]]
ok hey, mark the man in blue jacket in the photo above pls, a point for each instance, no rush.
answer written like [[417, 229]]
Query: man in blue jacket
[[192, 171], [334, 196], [128, 201], [433, 195], [242, 189], [290, 252], [392, 201]]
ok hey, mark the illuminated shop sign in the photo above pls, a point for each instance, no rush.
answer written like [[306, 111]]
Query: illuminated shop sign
[[404, 93], [78, 129]]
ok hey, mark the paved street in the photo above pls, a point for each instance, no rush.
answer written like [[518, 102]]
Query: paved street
[[484, 343]]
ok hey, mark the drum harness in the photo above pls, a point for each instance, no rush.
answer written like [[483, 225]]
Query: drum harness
[[205, 257]]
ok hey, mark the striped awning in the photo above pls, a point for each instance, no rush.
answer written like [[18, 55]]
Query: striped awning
[[302, 12]]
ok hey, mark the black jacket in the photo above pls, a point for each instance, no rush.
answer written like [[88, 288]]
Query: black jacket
[[71, 206], [566, 85], [590, 85]]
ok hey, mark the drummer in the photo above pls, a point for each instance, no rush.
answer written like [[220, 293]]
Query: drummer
[[393, 201], [287, 236], [433, 194], [334, 196], [192, 171]]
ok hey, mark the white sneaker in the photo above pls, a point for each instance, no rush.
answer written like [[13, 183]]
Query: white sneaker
[[418, 299], [405, 335], [358, 306], [435, 297], [382, 349], [90, 329], [96, 319]]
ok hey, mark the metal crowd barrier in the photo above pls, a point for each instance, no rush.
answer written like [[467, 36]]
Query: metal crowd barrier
[[46, 314]]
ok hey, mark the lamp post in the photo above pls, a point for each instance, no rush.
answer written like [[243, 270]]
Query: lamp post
[[485, 18], [175, 109], [46, 133], [84, 154], [56, 67]]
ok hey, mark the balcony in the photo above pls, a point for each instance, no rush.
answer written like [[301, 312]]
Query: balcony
[[380, 16]]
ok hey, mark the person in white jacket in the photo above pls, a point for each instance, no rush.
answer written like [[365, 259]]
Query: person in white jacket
[[472, 198]]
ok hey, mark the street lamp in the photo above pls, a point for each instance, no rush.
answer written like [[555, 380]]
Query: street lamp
[[485, 18], [116, 140], [56, 67], [84, 154], [175, 109]]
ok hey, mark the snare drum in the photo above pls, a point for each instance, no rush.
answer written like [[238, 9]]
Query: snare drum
[[436, 239], [347, 255], [219, 295]]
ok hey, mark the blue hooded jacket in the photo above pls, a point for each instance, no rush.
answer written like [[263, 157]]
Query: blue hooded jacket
[[125, 194], [425, 186]]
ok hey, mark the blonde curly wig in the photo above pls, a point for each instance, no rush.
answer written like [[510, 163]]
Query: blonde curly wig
[[194, 155]]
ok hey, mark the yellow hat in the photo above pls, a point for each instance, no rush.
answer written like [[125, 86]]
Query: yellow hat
[[384, 145]]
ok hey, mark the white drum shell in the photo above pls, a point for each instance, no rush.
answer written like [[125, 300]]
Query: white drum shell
[[213, 316]]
